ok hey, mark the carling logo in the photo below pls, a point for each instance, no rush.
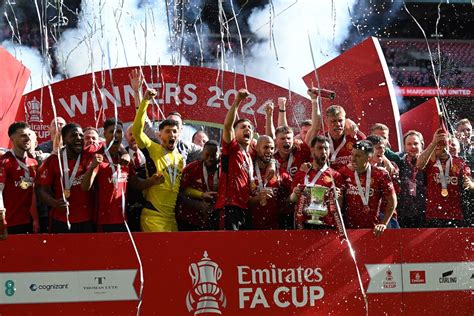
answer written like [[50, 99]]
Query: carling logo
[[205, 296]]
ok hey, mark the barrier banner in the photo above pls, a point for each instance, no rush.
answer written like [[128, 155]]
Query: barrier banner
[[200, 94], [405, 272], [363, 86]]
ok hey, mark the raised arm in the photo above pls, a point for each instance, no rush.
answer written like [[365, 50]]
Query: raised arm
[[426, 154], [136, 82], [282, 121], [269, 127], [315, 116], [141, 138], [228, 132]]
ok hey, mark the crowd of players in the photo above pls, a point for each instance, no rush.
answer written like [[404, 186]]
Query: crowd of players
[[81, 181]]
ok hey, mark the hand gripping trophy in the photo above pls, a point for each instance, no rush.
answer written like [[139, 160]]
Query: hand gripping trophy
[[316, 207], [211, 298]]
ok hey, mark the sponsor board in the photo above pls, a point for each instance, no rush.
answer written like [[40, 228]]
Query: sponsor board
[[67, 286], [420, 277], [251, 273], [440, 276]]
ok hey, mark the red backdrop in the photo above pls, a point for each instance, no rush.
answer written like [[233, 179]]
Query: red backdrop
[[363, 87], [14, 78]]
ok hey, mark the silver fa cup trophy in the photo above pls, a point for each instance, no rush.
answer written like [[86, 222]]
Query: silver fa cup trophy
[[316, 207]]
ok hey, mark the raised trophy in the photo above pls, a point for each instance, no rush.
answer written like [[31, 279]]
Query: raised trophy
[[316, 207]]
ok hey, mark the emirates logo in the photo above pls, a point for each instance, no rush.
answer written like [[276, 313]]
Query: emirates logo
[[205, 297]]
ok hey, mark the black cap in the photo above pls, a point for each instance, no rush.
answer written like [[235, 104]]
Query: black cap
[[365, 146]]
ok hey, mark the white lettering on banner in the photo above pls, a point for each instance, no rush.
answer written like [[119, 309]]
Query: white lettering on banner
[[437, 276], [219, 98], [301, 294], [67, 286]]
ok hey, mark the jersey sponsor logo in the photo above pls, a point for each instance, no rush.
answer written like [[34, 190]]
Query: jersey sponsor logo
[[352, 190], [453, 180]]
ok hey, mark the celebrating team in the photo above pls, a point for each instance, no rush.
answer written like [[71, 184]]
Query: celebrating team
[[161, 183]]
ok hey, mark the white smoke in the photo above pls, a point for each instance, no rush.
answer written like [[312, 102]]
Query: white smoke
[[34, 61], [327, 26], [129, 32]]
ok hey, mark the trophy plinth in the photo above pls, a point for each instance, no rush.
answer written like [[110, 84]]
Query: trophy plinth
[[316, 207]]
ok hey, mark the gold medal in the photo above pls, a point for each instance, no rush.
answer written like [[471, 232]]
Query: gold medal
[[67, 193], [24, 185], [444, 192], [366, 209]]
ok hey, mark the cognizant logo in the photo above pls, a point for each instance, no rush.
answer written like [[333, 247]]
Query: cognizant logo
[[48, 287]]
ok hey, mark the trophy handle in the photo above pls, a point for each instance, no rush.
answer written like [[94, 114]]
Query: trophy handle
[[194, 273], [189, 301]]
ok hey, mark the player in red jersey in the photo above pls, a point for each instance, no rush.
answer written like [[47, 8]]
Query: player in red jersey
[[17, 177], [446, 176], [378, 159], [60, 189], [111, 178], [366, 187], [236, 168], [340, 143], [199, 185], [289, 154], [318, 175], [269, 197]]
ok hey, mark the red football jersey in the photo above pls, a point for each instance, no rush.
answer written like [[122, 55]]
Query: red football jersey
[[80, 202], [17, 201], [193, 176], [448, 207], [381, 186], [267, 216], [344, 155], [108, 197], [234, 180], [298, 156], [324, 180]]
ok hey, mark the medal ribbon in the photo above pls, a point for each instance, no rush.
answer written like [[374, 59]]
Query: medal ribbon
[[331, 148], [172, 172], [365, 197], [413, 168], [115, 172], [23, 166], [261, 184], [248, 160], [290, 163], [215, 178], [68, 180], [316, 177], [444, 175]]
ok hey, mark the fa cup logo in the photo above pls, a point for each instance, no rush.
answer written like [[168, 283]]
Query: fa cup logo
[[34, 111], [210, 297]]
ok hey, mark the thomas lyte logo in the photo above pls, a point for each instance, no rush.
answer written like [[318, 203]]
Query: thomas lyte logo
[[206, 297]]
